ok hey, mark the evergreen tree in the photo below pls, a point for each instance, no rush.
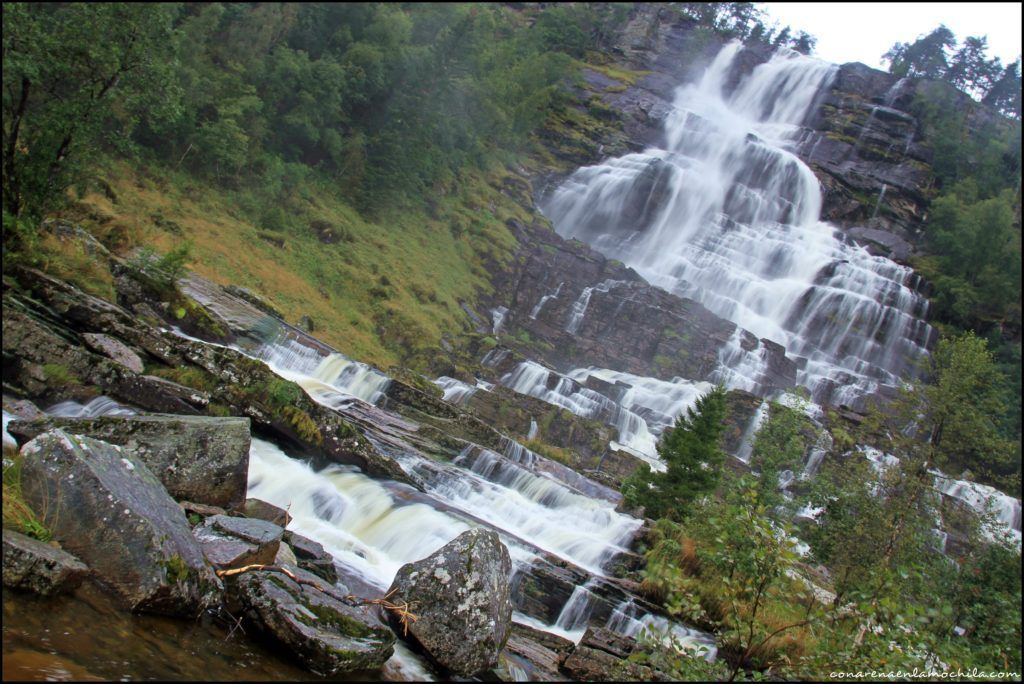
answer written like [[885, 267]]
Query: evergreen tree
[[924, 57], [693, 458], [1004, 93]]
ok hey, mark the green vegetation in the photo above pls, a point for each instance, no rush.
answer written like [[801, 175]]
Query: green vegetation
[[693, 459], [17, 514], [728, 561]]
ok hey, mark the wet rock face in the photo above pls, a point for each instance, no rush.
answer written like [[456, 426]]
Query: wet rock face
[[38, 567], [627, 324], [460, 595], [106, 507], [229, 542], [199, 459], [330, 633]]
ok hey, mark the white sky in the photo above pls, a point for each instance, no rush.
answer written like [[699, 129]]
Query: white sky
[[864, 31]]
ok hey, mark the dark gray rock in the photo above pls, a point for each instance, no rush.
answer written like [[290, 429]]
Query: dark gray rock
[[200, 459], [236, 542], [460, 595], [115, 349], [314, 621], [311, 556], [105, 506], [30, 564], [261, 510], [538, 654]]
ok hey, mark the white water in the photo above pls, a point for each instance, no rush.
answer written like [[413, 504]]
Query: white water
[[737, 227], [984, 499], [624, 621], [354, 517], [100, 406], [579, 307], [455, 391], [544, 300], [644, 411]]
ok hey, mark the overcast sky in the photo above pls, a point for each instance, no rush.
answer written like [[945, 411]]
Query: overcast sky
[[864, 31]]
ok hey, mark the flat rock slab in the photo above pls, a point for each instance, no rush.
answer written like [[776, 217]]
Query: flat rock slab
[[262, 510], [115, 350], [105, 506], [460, 595], [30, 564], [314, 621], [236, 542], [312, 556], [197, 458]]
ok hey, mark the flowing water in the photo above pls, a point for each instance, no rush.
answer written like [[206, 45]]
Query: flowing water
[[731, 219]]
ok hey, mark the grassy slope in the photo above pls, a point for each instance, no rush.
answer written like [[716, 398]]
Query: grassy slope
[[385, 294]]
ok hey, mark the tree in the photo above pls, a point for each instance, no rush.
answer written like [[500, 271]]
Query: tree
[[693, 458], [970, 70], [63, 66], [924, 57], [1004, 93], [779, 445]]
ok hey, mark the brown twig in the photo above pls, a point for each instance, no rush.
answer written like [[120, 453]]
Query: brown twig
[[405, 615], [402, 610]]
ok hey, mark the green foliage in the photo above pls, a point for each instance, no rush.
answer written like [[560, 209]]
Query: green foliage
[[693, 457], [17, 514], [778, 445], [64, 64]]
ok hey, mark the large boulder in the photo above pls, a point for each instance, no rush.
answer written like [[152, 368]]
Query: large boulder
[[30, 564], [329, 631], [198, 459], [105, 506], [460, 596]]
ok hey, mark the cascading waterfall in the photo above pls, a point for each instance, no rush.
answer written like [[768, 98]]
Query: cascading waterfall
[[544, 300], [648, 406], [624, 620], [100, 406], [579, 307], [455, 391], [319, 373], [576, 612], [736, 226]]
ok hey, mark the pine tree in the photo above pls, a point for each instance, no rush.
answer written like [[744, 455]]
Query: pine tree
[[693, 457]]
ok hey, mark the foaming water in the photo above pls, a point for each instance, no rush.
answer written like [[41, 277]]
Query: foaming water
[[100, 406], [315, 370], [731, 219], [354, 517], [627, 620], [644, 408]]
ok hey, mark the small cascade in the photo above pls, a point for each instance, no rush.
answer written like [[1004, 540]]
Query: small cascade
[[100, 406], [878, 202], [498, 315], [863, 131], [455, 391], [8, 440], [817, 455], [544, 300], [746, 447], [624, 621], [532, 434], [576, 612], [534, 506], [321, 373], [494, 357], [984, 499], [579, 307]]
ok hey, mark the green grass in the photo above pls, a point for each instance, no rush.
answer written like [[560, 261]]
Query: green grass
[[430, 259], [17, 514]]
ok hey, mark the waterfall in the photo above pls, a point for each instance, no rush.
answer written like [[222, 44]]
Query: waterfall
[[624, 620], [746, 447], [878, 202], [647, 408], [544, 300], [736, 226], [984, 499], [498, 315], [576, 610], [455, 391], [100, 406], [579, 307]]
